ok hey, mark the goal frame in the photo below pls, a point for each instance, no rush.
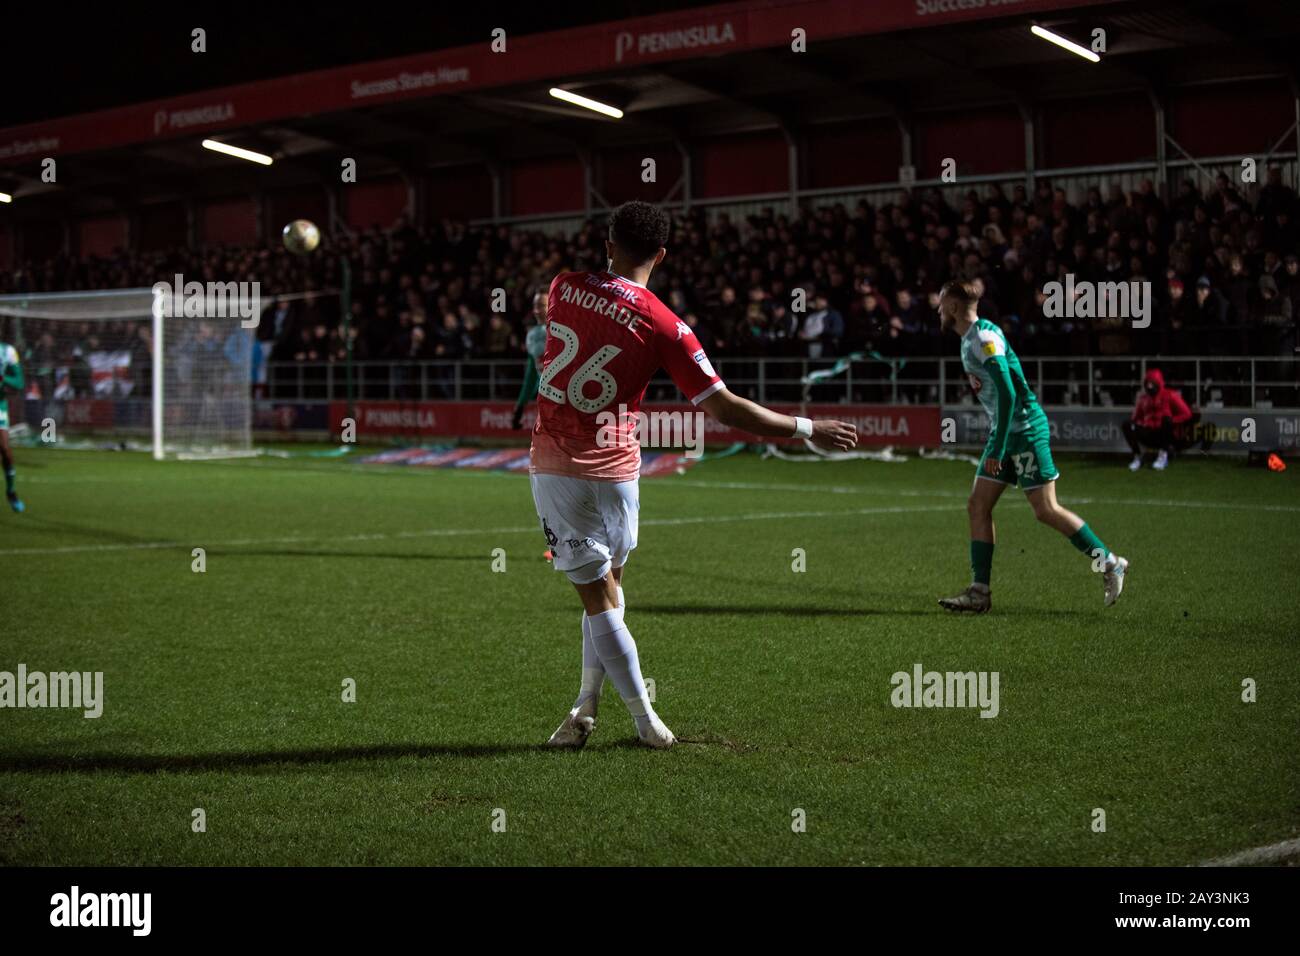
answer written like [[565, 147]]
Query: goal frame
[[115, 305]]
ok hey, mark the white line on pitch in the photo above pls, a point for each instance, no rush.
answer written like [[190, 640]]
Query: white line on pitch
[[912, 493], [280, 466], [679, 482], [452, 532], [1260, 855]]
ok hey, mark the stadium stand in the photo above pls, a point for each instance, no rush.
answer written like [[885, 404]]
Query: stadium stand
[[1224, 269], [782, 172]]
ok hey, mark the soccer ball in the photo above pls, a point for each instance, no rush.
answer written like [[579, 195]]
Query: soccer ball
[[301, 236]]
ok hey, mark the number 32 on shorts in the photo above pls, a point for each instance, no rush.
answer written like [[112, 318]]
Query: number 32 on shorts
[[1025, 465]]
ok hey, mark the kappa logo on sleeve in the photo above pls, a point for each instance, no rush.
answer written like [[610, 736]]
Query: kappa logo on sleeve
[[682, 329]]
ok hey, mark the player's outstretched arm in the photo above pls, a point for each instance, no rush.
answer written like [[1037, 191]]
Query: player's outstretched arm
[[736, 412]]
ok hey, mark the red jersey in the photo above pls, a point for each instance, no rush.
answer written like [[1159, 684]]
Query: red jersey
[[606, 336]]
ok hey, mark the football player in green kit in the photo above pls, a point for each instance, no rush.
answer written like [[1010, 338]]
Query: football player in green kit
[[534, 345], [1018, 452], [11, 373]]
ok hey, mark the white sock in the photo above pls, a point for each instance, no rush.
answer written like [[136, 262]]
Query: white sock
[[613, 642], [593, 671]]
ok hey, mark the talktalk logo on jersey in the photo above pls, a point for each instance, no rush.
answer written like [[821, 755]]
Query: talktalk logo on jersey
[[619, 289]]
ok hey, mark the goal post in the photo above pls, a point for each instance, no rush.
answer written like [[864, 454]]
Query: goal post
[[119, 364], [156, 376]]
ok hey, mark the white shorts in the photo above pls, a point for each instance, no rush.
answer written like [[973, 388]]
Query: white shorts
[[590, 526]]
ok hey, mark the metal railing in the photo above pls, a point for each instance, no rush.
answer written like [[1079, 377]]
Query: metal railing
[[1207, 381], [1075, 180]]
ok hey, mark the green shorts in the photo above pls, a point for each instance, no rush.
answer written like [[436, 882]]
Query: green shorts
[[1028, 460], [4, 415]]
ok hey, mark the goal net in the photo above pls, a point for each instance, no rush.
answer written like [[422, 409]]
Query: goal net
[[90, 369]]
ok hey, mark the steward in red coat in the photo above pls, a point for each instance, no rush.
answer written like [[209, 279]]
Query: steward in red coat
[[1156, 420]]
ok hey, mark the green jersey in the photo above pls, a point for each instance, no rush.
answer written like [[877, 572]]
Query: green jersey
[[10, 370], [535, 342], [535, 346], [999, 383], [11, 376]]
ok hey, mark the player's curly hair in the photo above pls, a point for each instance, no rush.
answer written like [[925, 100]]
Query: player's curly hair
[[639, 228], [963, 290]]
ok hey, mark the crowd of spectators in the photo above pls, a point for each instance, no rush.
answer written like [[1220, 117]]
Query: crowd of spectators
[[1223, 270]]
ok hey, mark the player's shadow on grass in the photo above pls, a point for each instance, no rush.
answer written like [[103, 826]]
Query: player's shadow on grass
[[925, 608], [43, 523], [752, 609], [248, 760], [781, 610], [132, 542]]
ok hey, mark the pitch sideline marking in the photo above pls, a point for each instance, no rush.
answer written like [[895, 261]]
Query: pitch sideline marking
[[907, 493], [678, 482], [1257, 856], [457, 532], [279, 465]]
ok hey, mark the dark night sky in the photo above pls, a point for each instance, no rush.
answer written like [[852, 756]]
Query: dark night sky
[[58, 60]]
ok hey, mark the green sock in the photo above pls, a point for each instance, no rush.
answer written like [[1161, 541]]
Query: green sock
[[981, 561], [1086, 540], [10, 474]]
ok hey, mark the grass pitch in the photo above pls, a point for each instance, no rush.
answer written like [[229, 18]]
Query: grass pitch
[[223, 689]]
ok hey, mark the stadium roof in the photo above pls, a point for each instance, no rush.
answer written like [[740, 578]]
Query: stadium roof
[[679, 76]]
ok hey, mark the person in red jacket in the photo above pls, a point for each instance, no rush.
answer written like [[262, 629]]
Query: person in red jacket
[[1156, 417]]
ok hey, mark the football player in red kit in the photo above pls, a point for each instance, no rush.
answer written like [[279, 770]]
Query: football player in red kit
[[607, 334]]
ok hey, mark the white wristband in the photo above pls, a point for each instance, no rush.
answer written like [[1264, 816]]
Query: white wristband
[[802, 427]]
